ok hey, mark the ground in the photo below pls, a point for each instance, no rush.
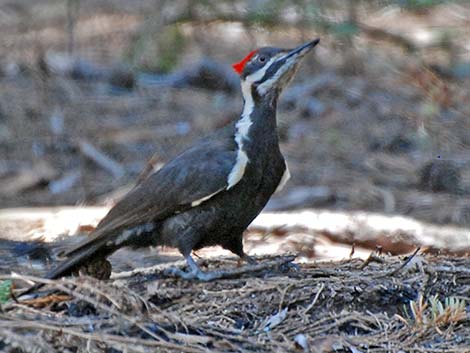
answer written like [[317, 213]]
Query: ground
[[346, 306]]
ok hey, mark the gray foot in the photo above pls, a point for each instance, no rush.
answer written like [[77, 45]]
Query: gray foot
[[289, 266], [199, 275], [249, 260], [283, 263], [195, 272]]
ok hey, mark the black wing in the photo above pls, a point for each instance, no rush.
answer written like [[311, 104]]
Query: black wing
[[196, 174]]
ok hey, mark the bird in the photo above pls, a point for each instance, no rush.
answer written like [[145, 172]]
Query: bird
[[210, 193]]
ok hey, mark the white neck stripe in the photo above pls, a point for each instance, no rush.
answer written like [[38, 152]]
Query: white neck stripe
[[242, 130], [243, 125]]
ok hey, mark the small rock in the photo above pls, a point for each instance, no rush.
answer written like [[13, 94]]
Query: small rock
[[397, 144], [353, 99], [122, 78], [86, 71], [312, 108], [301, 342], [440, 176], [81, 308]]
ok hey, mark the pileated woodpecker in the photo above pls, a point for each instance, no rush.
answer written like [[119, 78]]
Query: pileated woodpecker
[[210, 193]]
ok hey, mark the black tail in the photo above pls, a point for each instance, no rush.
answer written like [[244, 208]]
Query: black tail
[[87, 251]]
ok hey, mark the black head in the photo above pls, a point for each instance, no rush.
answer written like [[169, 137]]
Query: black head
[[270, 69]]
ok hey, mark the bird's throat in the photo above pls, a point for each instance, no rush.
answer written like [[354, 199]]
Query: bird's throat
[[258, 118], [255, 128]]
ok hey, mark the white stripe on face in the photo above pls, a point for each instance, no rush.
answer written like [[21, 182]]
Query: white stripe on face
[[267, 85], [258, 75], [292, 58]]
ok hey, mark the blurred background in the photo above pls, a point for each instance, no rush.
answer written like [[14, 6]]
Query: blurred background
[[93, 93]]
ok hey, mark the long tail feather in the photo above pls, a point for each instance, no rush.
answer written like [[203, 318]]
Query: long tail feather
[[93, 250]]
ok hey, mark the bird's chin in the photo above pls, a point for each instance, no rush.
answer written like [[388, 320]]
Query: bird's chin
[[287, 77]]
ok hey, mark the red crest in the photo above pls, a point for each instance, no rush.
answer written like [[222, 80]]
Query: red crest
[[238, 67]]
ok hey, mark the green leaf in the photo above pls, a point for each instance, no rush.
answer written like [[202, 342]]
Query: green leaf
[[5, 291]]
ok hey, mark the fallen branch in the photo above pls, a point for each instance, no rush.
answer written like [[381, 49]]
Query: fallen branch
[[101, 159]]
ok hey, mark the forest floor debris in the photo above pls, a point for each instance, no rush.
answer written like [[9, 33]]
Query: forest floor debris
[[339, 306]]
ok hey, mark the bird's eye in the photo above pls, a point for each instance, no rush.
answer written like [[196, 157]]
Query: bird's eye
[[262, 59]]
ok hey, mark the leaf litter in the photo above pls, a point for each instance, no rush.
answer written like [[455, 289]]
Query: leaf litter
[[337, 306]]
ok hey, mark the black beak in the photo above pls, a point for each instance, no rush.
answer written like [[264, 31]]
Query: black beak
[[302, 49]]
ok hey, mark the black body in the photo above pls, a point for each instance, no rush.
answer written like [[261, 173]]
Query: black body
[[189, 203]]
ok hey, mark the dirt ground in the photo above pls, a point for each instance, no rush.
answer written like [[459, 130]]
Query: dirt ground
[[347, 306]]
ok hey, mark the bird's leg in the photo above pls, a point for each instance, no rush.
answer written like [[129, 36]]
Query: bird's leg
[[191, 274], [249, 259], [201, 275], [235, 245], [195, 271]]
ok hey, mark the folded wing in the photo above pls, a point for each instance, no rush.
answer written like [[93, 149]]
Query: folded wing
[[190, 179]]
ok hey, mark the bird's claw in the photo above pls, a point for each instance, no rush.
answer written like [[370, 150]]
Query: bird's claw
[[289, 266], [176, 272], [191, 275]]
